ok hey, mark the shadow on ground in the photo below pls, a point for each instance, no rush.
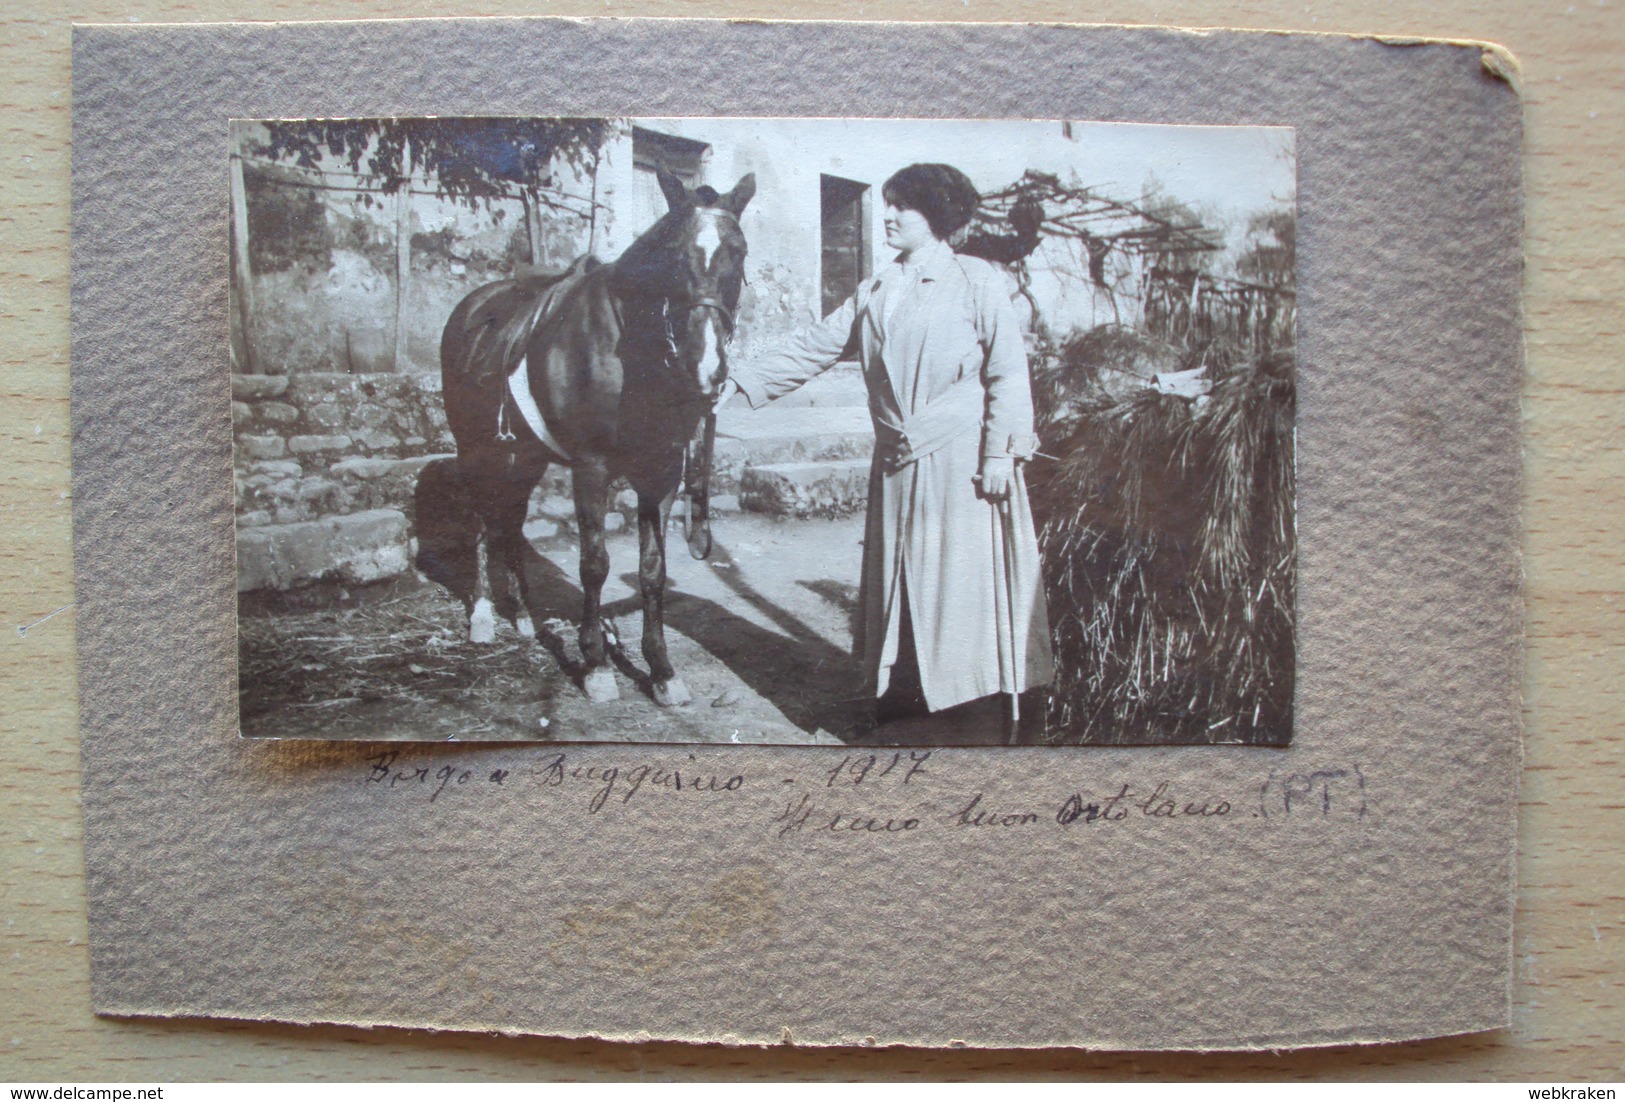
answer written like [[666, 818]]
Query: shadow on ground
[[761, 633]]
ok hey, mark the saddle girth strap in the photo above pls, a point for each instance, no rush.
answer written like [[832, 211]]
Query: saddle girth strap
[[524, 401]]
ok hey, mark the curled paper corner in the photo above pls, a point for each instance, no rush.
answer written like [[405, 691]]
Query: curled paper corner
[[1500, 63]]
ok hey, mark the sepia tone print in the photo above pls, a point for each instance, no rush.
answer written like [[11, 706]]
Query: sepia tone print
[[868, 432]]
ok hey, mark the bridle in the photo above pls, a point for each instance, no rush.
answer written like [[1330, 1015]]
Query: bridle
[[698, 453], [671, 357], [671, 306]]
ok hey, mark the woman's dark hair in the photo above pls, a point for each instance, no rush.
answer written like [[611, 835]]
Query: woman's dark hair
[[942, 193]]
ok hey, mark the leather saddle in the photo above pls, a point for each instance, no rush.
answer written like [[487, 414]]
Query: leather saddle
[[503, 316]]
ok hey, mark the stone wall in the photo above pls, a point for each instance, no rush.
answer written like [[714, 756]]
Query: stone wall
[[325, 467]]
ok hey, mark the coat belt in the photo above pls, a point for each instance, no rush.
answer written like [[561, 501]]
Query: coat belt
[[904, 440]]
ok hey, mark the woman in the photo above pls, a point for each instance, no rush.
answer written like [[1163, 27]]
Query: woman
[[952, 604]]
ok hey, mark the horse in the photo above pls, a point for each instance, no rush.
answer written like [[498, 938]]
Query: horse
[[618, 364]]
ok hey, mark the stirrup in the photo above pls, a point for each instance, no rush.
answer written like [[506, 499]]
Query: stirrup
[[504, 433]]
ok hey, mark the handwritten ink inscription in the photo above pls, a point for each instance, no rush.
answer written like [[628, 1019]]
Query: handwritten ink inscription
[[1322, 792], [854, 769], [884, 795], [1160, 804], [554, 771]]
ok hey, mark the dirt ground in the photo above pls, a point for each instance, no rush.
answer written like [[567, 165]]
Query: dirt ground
[[761, 632]]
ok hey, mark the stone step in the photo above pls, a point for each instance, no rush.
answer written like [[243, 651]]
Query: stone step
[[363, 547], [755, 438], [288, 491], [809, 461], [552, 517], [825, 488], [284, 491]]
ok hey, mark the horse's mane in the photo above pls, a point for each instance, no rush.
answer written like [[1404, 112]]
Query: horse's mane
[[645, 251], [631, 266]]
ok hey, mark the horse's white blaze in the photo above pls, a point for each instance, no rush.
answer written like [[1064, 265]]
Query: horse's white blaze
[[709, 238], [710, 355]]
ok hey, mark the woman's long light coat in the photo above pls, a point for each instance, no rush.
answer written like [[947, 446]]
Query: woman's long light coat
[[946, 370]]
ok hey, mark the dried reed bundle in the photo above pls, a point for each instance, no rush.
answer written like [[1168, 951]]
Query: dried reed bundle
[[1169, 551]]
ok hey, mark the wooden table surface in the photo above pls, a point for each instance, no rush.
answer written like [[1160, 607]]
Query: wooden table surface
[[1569, 1015]]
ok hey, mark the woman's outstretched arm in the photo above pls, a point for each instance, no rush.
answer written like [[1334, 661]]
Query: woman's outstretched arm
[[808, 353]]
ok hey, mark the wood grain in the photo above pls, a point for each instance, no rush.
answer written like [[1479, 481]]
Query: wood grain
[[1569, 1021]]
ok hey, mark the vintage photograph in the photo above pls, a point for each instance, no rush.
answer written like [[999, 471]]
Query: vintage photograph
[[872, 432]]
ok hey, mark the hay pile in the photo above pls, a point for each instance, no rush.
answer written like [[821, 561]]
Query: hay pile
[[1167, 530], [393, 662]]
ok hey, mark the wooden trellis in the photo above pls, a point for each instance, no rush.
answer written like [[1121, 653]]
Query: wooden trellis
[[1178, 302], [1081, 213]]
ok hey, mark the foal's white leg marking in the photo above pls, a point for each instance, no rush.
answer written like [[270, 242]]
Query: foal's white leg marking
[[527, 630], [482, 622]]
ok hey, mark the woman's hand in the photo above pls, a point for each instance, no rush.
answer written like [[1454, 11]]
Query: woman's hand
[[998, 473]]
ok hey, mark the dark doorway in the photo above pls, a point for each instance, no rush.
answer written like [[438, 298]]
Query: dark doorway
[[844, 237]]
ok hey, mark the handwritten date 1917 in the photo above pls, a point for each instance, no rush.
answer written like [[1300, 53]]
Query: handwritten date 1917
[[854, 769]]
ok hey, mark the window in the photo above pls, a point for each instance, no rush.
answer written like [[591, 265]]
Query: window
[[682, 157], [843, 226]]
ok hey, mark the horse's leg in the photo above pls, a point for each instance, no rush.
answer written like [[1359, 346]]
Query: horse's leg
[[482, 621], [523, 621], [654, 508], [447, 530], [592, 501], [504, 525]]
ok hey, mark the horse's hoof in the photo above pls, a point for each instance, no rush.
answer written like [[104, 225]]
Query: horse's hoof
[[671, 693], [482, 623], [527, 630], [699, 544], [600, 687]]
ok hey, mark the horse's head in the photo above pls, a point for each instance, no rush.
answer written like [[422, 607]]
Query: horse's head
[[687, 272]]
